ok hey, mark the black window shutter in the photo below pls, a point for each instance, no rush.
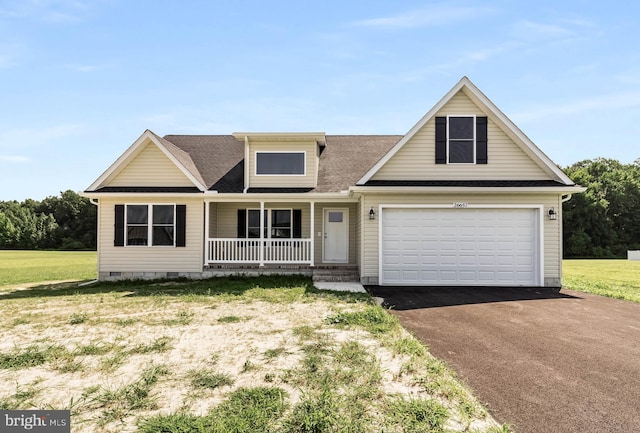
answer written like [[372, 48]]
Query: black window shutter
[[118, 234], [441, 140], [297, 223], [242, 223], [481, 140], [181, 225]]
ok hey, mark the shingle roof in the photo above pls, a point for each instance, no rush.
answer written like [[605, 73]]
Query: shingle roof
[[348, 157], [219, 159]]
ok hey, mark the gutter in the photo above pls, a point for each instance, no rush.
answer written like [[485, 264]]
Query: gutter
[[462, 190]]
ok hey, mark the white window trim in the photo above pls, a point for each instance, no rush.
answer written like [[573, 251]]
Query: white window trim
[[149, 225], [268, 221], [255, 163], [475, 142]]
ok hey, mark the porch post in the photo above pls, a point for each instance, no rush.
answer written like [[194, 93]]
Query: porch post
[[262, 246], [313, 231], [207, 206]]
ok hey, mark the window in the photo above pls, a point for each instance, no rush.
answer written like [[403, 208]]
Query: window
[[253, 223], [278, 223], [461, 133], [139, 231], [461, 140], [280, 163]]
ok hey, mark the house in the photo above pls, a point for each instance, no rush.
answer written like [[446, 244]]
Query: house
[[464, 198]]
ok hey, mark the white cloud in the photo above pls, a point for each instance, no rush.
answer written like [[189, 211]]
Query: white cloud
[[14, 158], [598, 103], [431, 16], [58, 11], [20, 138], [561, 30], [83, 68]]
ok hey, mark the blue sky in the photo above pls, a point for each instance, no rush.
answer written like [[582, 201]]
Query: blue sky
[[81, 80]]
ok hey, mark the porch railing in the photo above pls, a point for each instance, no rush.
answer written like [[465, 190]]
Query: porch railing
[[233, 250]]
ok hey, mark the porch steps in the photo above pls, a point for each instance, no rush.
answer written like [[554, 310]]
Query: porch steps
[[342, 274]]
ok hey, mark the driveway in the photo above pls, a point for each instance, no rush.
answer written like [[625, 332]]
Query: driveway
[[542, 361]]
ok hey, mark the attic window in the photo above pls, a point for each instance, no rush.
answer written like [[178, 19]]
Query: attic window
[[461, 134], [280, 163], [461, 140]]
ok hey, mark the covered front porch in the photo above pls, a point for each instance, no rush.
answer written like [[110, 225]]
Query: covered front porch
[[277, 232]]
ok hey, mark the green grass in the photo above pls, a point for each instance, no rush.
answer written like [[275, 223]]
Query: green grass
[[209, 379], [19, 267], [613, 278], [245, 410], [116, 404], [317, 374]]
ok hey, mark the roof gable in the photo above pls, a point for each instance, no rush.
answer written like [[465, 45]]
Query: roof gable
[[526, 152], [150, 150]]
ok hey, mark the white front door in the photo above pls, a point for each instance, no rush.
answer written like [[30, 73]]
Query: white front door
[[336, 236]]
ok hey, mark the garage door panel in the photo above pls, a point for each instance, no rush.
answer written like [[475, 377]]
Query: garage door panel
[[459, 246]]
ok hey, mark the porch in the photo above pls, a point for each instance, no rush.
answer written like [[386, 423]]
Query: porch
[[259, 251], [280, 233]]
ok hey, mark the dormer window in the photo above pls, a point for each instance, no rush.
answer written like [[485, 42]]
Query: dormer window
[[280, 163]]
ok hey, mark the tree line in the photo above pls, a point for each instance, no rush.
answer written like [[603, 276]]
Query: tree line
[[64, 222], [603, 222]]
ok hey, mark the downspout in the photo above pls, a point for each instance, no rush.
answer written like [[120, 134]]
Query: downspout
[[95, 202], [246, 164], [566, 198]]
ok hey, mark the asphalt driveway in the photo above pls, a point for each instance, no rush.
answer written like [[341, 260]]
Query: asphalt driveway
[[542, 361]]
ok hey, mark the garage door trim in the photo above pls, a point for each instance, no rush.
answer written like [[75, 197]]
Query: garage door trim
[[462, 208]]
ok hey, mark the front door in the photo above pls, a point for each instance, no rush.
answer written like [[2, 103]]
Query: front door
[[336, 236]]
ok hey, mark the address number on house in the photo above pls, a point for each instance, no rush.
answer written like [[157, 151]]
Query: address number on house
[[460, 204]]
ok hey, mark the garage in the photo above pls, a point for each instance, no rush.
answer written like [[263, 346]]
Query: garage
[[460, 246]]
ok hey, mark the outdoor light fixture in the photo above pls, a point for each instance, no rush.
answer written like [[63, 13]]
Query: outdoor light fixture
[[552, 214], [372, 214]]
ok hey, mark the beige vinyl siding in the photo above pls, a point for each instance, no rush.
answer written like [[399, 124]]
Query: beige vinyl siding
[[552, 230], [151, 259], [311, 165], [416, 159], [150, 167]]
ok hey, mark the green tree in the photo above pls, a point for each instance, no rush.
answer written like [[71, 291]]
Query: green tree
[[604, 221], [64, 222]]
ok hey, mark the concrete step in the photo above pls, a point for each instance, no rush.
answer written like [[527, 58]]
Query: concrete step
[[336, 275]]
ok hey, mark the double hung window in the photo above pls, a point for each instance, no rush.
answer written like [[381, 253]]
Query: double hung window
[[277, 223], [461, 134], [152, 225]]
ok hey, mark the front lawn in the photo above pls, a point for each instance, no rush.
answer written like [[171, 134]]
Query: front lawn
[[28, 267], [269, 354], [614, 278]]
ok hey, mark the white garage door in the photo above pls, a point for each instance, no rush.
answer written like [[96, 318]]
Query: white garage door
[[459, 247]]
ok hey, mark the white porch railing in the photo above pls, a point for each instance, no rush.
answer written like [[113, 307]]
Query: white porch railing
[[233, 250]]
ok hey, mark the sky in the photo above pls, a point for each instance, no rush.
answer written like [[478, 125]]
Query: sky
[[81, 80]]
